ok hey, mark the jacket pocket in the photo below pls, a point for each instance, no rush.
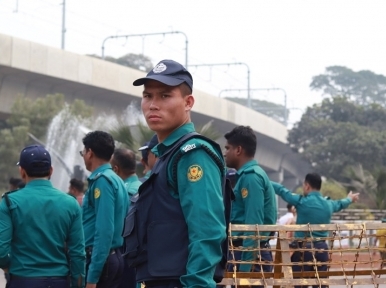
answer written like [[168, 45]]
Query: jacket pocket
[[130, 235]]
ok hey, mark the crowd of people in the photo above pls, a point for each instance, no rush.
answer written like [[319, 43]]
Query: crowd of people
[[165, 230]]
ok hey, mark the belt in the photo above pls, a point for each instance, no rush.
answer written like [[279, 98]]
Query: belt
[[90, 248], [39, 277]]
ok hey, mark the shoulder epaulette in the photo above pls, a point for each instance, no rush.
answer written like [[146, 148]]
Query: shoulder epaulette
[[6, 198], [249, 170]]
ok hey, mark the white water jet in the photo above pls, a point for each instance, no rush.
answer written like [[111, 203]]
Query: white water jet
[[64, 140]]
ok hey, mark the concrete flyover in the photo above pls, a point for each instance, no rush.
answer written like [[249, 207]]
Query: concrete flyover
[[34, 70]]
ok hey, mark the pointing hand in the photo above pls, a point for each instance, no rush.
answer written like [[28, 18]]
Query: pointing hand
[[353, 196]]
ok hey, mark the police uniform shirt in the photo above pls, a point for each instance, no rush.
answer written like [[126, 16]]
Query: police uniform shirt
[[39, 221], [255, 203], [312, 208], [200, 195], [105, 206]]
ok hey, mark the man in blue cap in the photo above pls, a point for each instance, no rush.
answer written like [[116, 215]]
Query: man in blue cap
[[175, 231], [148, 158], [37, 215]]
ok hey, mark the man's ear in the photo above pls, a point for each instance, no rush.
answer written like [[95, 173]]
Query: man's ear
[[189, 102], [23, 174], [239, 150]]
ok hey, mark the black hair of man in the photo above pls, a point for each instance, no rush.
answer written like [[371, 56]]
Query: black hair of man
[[289, 207], [314, 180], [101, 144], [243, 136], [125, 159], [185, 89], [77, 184], [39, 173]]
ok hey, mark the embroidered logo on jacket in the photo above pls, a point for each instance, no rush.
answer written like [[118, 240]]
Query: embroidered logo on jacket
[[195, 173]]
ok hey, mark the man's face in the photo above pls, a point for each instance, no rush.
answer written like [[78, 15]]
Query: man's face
[[86, 154], [230, 155], [151, 159], [165, 108], [306, 188]]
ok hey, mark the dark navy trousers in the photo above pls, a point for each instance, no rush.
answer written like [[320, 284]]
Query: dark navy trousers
[[128, 278], [321, 256], [45, 282], [112, 272]]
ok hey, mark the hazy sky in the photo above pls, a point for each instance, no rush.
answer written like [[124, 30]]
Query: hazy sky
[[284, 43]]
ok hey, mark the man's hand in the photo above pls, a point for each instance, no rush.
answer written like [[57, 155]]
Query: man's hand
[[353, 196], [90, 285]]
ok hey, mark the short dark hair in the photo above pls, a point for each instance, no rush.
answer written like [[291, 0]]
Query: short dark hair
[[101, 143], [15, 181], [185, 89], [77, 184], [245, 137], [289, 207], [314, 180], [38, 174], [125, 159]]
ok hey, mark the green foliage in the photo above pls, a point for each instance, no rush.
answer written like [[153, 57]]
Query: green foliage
[[372, 186], [362, 87], [136, 61], [209, 131], [338, 133], [35, 114], [30, 118], [122, 133], [79, 109], [333, 190], [273, 110]]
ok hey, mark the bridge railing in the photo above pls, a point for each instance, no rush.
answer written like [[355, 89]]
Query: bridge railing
[[360, 263]]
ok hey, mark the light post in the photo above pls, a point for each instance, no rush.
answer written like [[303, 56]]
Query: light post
[[148, 34], [263, 89], [229, 64], [63, 23]]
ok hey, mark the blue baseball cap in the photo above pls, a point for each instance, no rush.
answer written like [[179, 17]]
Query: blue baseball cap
[[168, 72], [34, 158], [148, 146]]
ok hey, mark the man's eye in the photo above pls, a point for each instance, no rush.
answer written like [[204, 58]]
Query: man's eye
[[165, 95]]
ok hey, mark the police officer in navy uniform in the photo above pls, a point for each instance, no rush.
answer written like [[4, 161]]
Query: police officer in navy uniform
[[41, 234], [105, 206], [175, 231], [312, 208]]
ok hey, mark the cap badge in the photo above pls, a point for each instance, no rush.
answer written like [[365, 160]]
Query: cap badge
[[161, 67]]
